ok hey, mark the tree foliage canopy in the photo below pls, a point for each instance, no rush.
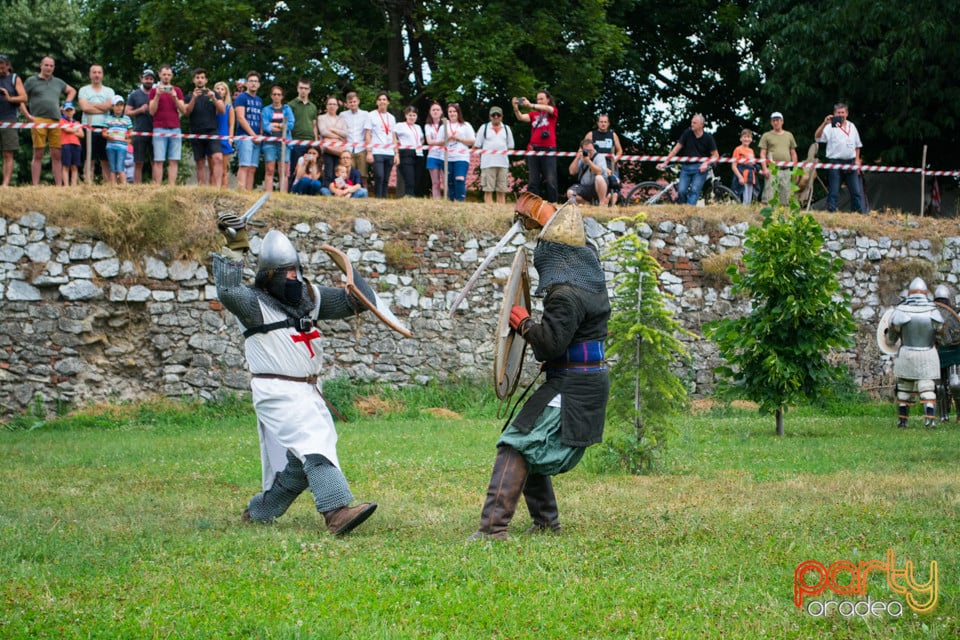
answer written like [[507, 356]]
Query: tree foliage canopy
[[650, 64]]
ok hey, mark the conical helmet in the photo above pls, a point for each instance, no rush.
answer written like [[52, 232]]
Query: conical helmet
[[277, 253], [917, 285], [942, 292], [565, 227]]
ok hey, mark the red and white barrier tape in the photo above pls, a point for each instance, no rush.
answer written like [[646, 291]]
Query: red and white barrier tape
[[512, 152]]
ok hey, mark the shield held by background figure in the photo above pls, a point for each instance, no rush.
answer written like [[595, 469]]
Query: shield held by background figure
[[509, 347], [887, 347], [951, 325]]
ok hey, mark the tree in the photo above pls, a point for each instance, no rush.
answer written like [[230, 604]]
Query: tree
[[31, 30], [684, 57], [777, 354], [896, 64], [645, 347]]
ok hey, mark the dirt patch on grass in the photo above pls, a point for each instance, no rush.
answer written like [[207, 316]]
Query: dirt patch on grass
[[441, 412], [376, 406]]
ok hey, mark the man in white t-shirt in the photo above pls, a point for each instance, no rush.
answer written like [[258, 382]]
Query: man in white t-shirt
[[494, 167], [357, 122], [843, 147]]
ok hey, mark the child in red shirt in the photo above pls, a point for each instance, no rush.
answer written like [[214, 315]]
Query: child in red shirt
[[71, 151]]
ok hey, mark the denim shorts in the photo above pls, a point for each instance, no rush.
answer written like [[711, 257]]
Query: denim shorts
[[167, 147], [271, 152], [117, 158], [248, 153]]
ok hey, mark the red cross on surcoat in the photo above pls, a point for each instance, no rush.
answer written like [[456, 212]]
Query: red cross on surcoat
[[306, 338]]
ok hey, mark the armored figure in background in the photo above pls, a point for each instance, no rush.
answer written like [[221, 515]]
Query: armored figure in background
[[282, 347], [948, 348], [915, 322]]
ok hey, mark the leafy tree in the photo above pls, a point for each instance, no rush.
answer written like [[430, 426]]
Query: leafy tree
[[645, 347], [896, 64], [31, 30], [684, 57], [777, 354]]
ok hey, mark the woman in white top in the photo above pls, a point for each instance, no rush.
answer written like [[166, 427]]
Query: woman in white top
[[435, 132], [382, 134], [460, 137], [409, 134], [332, 130]]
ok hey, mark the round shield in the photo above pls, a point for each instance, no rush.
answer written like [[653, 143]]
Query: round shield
[[950, 331], [509, 348], [887, 347]]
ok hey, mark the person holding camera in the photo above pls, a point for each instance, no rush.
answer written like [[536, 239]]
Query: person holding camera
[[542, 116], [843, 147], [166, 104], [590, 168], [203, 106]]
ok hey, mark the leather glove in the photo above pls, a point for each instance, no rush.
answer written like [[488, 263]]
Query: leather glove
[[234, 230], [519, 318]]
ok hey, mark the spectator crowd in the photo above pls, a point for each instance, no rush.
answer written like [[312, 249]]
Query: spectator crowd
[[341, 150]]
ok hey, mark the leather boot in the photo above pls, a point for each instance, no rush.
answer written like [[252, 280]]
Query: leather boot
[[506, 485], [541, 503], [346, 519]]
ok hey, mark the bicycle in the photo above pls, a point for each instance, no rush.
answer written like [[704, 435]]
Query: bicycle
[[655, 193]]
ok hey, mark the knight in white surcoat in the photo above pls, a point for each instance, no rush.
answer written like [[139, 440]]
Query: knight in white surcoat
[[298, 441], [915, 322]]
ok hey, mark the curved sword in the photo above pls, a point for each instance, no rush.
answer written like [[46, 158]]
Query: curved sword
[[516, 228]]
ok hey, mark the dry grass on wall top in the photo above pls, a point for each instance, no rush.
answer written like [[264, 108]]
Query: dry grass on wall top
[[181, 221]]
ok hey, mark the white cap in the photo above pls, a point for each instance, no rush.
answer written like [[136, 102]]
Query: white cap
[[117, 100], [775, 115]]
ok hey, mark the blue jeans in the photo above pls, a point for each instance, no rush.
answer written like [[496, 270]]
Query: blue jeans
[[691, 183], [457, 180], [852, 178]]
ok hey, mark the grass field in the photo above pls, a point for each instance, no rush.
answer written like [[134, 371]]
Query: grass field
[[125, 524]]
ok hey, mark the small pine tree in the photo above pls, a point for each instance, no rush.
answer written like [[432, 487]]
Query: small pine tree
[[776, 355], [644, 347]]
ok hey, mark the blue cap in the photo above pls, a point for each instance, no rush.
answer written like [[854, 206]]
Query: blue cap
[[67, 105]]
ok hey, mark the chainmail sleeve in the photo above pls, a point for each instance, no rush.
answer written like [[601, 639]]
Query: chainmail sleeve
[[335, 303], [239, 299]]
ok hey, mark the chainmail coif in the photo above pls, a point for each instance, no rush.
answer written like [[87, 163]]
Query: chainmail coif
[[558, 263]]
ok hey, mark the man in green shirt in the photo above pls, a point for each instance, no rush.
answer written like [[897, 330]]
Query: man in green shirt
[[304, 125], [43, 102], [777, 145]]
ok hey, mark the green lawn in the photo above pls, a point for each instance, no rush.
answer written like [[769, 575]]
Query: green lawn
[[129, 528]]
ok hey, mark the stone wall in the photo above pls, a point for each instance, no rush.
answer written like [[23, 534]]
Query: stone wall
[[80, 325]]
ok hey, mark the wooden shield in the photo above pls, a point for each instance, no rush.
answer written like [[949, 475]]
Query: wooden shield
[[510, 348], [377, 306], [950, 332], [887, 347]]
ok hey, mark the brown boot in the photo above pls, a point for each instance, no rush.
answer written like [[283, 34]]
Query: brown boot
[[346, 519], [506, 484], [541, 503]]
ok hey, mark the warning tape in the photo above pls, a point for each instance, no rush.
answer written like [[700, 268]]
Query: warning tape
[[355, 147]]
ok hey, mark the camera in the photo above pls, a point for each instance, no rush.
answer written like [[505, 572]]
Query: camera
[[836, 121], [521, 102], [544, 133]]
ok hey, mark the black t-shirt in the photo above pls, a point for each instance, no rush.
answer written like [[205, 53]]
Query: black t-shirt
[[693, 147], [203, 118], [141, 121]]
